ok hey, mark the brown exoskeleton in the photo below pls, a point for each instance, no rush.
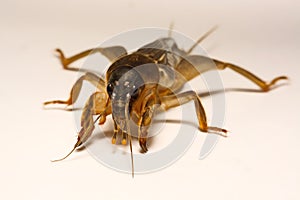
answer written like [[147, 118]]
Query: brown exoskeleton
[[139, 83]]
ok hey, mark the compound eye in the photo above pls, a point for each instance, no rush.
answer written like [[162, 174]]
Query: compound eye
[[110, 89], [135, 93]]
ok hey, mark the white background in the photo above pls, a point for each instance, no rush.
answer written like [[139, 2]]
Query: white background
[[260, 159]]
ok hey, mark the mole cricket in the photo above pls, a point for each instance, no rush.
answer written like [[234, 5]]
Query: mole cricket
[[140, 83]]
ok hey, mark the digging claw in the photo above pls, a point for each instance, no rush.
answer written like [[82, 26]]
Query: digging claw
[[143, 145]]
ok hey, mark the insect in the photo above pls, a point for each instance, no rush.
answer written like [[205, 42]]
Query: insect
[[139, 83]]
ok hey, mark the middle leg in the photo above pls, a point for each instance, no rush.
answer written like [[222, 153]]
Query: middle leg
[[172, 101], [111, 53], [98, 82]]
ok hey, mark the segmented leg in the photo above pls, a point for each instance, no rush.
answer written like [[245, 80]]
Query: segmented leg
[[111, 53], [96, 105], [145, 122], [265, 86], [146, 108], [192, 66], [90, 77], [172, 101]]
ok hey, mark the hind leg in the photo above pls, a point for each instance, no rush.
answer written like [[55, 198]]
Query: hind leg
[[265, 86], [194, 65]]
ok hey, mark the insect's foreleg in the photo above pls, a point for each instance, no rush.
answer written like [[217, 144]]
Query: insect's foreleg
[[172, 101], [96, 105], [144, 125], [90, 77], [151, 101], [111, 53], [265, 86]]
